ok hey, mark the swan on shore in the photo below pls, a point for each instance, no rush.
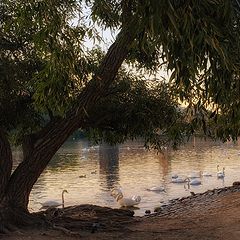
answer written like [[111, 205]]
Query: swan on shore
[[53, 204]]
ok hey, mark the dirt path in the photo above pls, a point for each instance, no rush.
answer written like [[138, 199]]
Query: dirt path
[[208, 216]]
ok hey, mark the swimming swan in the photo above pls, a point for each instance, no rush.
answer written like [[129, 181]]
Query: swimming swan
[[128, 202], [194, 181], [195, 175], [220, 174], [206, 174], [53, 204], [125, 202], [179, 180], [156, 189]]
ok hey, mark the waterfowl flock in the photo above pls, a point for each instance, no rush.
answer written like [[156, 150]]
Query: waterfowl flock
[[193, 179]]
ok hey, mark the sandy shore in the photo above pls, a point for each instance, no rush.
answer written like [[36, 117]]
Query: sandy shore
[[211, 215]]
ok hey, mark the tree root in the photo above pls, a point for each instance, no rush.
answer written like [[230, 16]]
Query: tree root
[[7, 228], [11, 219], [66, 231]]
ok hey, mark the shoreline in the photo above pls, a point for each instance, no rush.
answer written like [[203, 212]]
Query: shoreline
[[209, 215]]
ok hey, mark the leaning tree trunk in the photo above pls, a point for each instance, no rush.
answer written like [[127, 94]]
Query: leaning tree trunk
[[9, 215], [39, 148]]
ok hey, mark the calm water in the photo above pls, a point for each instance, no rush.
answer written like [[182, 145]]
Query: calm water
[[134, 169]]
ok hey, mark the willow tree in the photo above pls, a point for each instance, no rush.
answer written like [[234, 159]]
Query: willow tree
[[50, 85]]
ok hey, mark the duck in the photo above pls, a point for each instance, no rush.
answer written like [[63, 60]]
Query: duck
[[220, 174], [127, 202], [54, 204], [156, 189], [174, 175]]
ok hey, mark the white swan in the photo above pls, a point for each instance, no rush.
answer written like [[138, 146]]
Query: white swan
[[128, 202], [53, 204], [156, 189], [206, 174], [195, 175], [220, 174], [179, 180], [194, 181], [125, 202]]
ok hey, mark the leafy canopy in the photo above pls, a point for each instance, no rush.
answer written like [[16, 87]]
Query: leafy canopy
[[45, 64]]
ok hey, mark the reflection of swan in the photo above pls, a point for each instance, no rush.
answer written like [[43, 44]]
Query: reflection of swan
[[52, 204], [156, 189], [125, 202], [194, 181], [220, 174], [178, 180]]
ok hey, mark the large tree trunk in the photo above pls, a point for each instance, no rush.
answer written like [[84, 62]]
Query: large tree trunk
[[40, 148], [5, 163], [9, 215]]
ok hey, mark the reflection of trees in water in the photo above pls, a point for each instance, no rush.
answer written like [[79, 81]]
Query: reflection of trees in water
[[63, 162], [109, 164], [164, 165]]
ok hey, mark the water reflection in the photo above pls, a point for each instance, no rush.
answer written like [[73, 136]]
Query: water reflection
[[134, 169], [63, 162], [109, 165]]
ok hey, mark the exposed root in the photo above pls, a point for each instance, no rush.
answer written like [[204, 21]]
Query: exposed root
[[4, 229], [66, 231], [11, 219]]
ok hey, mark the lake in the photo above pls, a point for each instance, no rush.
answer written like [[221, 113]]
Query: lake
[[134, 169]]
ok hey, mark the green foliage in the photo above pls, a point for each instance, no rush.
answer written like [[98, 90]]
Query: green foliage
[[137, 108], [45, 65], [43, 33]]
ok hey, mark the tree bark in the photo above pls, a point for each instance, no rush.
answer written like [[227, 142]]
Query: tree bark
[[44, 145], [5, 162]]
